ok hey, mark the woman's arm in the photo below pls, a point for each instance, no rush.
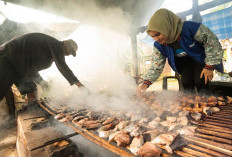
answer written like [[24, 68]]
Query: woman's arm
[[213, 48], [157, 65]]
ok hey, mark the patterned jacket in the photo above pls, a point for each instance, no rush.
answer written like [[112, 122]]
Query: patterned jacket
[[207, 50]]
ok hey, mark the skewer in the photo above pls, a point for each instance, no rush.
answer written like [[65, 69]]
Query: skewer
[[217, 121], [220, 118], [214, 128], [208, 151], [183, 154], [210, 145], [219, 124], [194, 152], [214, 138], [219, 134]]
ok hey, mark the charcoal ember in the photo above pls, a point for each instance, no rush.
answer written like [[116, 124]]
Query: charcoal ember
[[149, 150], [178, 143]]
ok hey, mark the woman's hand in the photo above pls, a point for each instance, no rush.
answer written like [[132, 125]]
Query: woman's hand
[[208, 74], [141, 89]]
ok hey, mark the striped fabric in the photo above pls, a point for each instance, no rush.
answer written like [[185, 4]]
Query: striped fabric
[[220, 22]]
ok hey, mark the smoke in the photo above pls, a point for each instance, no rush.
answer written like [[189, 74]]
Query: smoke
[[99, 65]]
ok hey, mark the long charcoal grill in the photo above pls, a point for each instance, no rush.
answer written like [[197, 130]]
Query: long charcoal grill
[[87, 134], [213, 136]]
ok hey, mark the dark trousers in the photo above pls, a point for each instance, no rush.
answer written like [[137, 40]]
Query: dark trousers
[[190, 71], [7, 76]]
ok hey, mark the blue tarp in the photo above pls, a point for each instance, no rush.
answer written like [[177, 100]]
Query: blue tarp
[[220, 22]]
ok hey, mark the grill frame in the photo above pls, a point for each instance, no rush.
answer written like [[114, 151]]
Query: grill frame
[[221, 145]]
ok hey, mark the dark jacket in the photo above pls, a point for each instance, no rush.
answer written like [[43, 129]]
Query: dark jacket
[[33, 52]]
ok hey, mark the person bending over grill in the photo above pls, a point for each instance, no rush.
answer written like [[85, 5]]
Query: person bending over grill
[[192, 50], [23, 57]]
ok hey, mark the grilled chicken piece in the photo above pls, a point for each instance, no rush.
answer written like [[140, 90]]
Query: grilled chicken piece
[[130, 127], [196, 116], [163, 139], [220, 103], [105, 134], [122, 138], [212, 99], [171, 119], [109, 126], [187, 131], [81, 122], [183, 113], [66, 119], [198, 98], [229, 100], [207, 111], [150, 135], [182, 120], [122, 125], [60, 116], [215, 109], [91, 124], [149, 150], [220, 98], [136, 117], [143, 121], [76, 119], [137, 131], [154, 123], [136, 143], [212, 103], [109, 120]]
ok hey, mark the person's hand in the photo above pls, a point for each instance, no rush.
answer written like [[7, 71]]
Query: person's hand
[[208, 74], [83, 88], [45, 86], [79, 84], [141, 89], [32, 97]]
